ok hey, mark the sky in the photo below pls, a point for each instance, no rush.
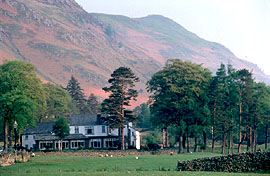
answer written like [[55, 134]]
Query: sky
[[243, 26]]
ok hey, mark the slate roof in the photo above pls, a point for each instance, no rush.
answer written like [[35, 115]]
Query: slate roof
[[75, 120], [83, 120], [40, 128], [48, 137]]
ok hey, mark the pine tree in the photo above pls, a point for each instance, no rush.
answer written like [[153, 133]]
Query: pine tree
[[76, 93], [233, 103], [246, 91], [224, 98], [122, 92], [93, 104]]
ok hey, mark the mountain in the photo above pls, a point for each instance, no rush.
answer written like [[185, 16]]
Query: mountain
[[61, 39]]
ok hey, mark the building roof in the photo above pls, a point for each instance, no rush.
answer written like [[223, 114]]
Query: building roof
[[40, 128], [83, 120], [48, 137]]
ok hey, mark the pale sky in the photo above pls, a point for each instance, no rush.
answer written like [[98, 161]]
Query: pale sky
[[243, 26]]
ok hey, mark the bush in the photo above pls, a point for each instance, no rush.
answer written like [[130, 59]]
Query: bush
[[152, 140], [131, 147], [153, 146], [144, 148]]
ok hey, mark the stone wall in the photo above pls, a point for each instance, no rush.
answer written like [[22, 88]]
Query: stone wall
[[10, 158], [114, 153], [244, 162]]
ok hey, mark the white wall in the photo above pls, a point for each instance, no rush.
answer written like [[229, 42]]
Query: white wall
[[97, 130], [114, 131], [30, 141], [81, 129], [135, 135], [138, 140]]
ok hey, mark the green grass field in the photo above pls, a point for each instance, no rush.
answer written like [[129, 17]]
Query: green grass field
[[128, 165]]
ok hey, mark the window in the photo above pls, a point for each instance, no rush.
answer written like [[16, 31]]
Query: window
[[103, 129], [26, 137], [109, 131], [45, 145], [77, 144], [110, 143], [89, 130], [95, 143], [76, 130], [34, 137], [65, 144]]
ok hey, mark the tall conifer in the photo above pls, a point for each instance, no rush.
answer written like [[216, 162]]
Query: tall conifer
[[121, 93], [76, 93]]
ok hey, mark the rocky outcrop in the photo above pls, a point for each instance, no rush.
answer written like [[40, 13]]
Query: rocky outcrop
[[71, 4], [7, 159]]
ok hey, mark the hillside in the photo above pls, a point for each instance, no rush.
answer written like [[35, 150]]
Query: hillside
[[61, 39]]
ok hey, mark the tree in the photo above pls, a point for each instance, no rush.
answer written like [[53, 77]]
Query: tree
[[245, 87], [233, 97], [144, 116], [223, 94], [122, 92], [22, 97], [93, 103], [58, 101], [161, 107], [76, 93], [212, 94], [162, 115], [264, 107], [224, 97], [178, 94], [61, 129], [259, 112]]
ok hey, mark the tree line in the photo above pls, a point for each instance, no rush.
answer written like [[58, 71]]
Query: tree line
[[191, 103], [185, 101], [229, 106]]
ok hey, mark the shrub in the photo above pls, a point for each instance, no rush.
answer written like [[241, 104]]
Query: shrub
[[153, 146]]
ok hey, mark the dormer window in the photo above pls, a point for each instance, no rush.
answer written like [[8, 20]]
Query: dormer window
[[103, 129], [89, 130], [76, 130]]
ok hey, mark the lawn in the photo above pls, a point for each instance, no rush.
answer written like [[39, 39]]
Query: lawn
[[128, 165]]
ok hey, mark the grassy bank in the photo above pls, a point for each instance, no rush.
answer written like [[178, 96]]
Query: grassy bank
[[83, 165]]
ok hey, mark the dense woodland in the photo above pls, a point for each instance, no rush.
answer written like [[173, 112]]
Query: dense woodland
[[187, 105]]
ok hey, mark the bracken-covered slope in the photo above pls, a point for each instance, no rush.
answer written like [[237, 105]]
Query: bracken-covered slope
[[61, 39]]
